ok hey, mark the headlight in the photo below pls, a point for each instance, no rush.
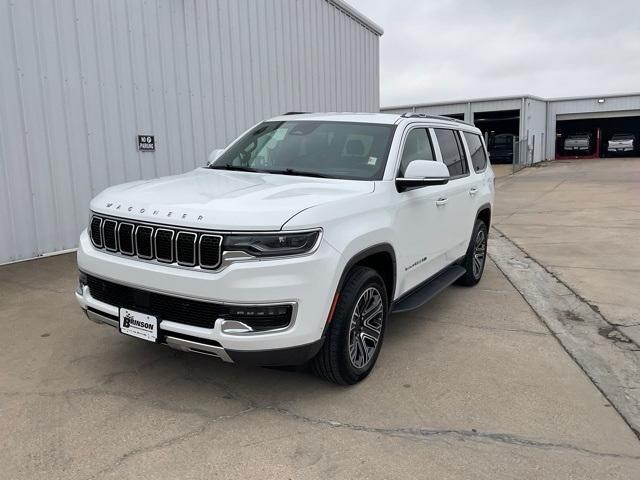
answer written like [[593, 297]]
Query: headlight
[[272, 245]]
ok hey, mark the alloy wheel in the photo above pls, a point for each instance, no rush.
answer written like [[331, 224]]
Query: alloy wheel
[[479, 253], [365, 327]]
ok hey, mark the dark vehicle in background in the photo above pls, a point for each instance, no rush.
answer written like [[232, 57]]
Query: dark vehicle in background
[[622, 143], [578, 143], [500, 147]]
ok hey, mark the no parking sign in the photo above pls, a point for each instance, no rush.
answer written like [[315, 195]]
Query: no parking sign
[[146, 143]]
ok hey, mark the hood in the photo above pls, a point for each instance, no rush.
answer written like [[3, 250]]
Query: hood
[[224, 200]]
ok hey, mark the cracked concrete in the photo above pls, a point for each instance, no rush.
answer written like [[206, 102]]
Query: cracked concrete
[[607, 356], [581, 220], [472, 386]]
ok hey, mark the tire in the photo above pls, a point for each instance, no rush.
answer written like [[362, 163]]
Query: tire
[[476, 255], [348, 354]]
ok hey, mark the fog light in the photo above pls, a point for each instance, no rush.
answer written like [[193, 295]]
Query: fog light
[[259, 317], [257, 311], [82, 281]]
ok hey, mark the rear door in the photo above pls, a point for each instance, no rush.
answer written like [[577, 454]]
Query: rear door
[[457, 201], [480, 182]]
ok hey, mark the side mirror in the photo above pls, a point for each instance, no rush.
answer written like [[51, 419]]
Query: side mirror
[[213, 156], [423, 173]]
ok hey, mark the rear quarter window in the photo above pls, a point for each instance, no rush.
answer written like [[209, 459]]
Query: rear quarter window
[[476, 149]]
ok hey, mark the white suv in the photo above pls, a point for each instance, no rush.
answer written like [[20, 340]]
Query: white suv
[[295, 242]]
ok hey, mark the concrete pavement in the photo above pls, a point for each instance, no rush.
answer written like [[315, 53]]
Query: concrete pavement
[[471, 386], [581, 220]]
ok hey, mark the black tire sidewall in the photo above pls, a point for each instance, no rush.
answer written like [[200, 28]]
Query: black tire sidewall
[[357, 282], [476, 228], [469, 279]]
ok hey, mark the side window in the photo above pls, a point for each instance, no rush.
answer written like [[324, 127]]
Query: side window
[[452, 152], [478, 155], [417, 146]]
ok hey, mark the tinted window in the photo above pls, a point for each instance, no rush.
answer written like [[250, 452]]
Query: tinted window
[[452, 152], [356, 151], [417, 146], [478, 157]]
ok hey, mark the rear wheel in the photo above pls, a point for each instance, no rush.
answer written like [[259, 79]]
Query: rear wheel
[[354, 338], [476, 255]]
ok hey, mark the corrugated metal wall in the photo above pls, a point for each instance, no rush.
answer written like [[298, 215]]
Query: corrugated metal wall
[[80, 79]]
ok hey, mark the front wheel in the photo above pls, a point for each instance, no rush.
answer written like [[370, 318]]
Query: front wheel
[[354, 337], [476, 255]]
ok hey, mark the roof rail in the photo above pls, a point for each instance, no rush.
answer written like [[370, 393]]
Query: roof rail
[[433, 117], [294, 113]]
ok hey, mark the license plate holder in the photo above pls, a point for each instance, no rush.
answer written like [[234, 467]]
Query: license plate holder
[[139, 325]]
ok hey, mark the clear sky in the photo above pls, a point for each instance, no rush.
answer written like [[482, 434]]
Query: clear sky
[[454, 49]]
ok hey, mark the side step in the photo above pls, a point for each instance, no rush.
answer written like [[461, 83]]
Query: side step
[[429, 289]]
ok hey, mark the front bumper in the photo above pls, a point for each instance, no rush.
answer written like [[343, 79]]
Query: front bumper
[[309, 282], [284, 356]]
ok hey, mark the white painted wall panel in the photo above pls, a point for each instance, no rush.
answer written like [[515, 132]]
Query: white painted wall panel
[[80, 79]]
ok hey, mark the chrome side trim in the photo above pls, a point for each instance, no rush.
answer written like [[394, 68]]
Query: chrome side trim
[[197, 347], [96, 317], [234, 326]]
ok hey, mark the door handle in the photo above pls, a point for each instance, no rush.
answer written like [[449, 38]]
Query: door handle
[[441, 201], [473, 191]]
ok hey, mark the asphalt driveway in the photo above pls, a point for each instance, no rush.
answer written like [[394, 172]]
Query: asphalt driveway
[[471, 386]]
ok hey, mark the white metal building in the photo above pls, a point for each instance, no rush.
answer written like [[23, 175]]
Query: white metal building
[[81, 80], [543, 122]]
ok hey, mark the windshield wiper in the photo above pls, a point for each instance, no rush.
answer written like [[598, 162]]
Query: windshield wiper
[[302, 173], [238, 168], [286, 171]]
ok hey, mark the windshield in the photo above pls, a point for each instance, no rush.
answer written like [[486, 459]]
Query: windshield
[[355, 151], [501, 140], [623, 136], [578, 136]]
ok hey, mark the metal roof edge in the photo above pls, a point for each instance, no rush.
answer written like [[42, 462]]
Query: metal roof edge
[[587, 97], [508, 97], [468, 100], [356, 15]]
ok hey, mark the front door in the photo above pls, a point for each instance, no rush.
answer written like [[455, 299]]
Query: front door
[[421, 219]]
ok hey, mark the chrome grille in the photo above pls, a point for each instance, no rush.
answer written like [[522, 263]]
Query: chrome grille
[[125, 238], [144, 244], [110, 241], [186, 248], [164, 244], [209, 249], [96, 231]]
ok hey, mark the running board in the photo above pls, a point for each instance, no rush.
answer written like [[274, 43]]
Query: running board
[[429, 289]]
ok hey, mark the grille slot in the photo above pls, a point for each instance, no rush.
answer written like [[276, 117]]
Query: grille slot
[[96, 231], [186, 248], [181, 310], [150, 242], [125, 238], [210, 250], [164, 245], [109, 235], [144, 244]]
